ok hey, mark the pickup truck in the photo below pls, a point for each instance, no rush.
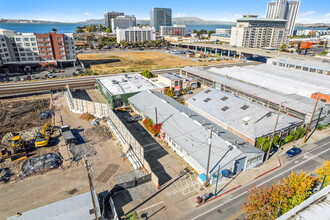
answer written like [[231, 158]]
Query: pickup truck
[[66, 132]]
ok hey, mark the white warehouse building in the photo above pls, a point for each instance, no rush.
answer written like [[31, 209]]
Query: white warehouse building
[[135, 34]]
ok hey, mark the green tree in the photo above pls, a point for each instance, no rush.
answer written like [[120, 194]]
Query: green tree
[[79, 30], [124, 43], [147, 74], [282, 47], [108, 30], [210, 32], [92, 28], [91, 46], [324, 52]]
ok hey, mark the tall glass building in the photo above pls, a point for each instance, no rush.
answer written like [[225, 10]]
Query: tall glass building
[[160, 17]]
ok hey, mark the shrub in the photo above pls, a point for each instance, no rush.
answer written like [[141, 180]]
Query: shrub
[[288, 139]]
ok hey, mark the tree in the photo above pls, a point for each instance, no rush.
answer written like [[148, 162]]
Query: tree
[[92, 28], [210, 32], [79, 30], [91, 46], [147, 74], [271, 202], [282, 47], [87, 29], [124, 43], [322, 171], [108, 30]]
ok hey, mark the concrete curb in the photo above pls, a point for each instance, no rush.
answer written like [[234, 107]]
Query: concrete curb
[[270, 169], [213, 198]]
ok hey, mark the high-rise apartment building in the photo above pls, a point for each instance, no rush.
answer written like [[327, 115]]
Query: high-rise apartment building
[[135, 34], [175, 30], [284, 9], [29, 48], [123, 22], [254, 32], [160, 17], [110, 15]]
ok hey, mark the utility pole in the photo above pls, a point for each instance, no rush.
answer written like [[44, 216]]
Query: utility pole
[[90, 185], [208, 159], [156, 115], [271, 140], [310, 122]]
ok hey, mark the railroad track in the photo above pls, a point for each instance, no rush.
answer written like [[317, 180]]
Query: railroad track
[[11, 89]]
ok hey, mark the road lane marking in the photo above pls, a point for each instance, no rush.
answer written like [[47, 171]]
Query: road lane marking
[[150, 206], [291, 168]]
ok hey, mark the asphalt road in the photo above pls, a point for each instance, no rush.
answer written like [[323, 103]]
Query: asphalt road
[[229, 206]]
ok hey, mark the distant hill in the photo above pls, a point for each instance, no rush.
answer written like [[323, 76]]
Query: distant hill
[[195, 20], [94, 21], [316, 25], [24, 21]]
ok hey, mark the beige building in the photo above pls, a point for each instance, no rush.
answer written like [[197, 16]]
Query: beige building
[[173, 80], [220, 37], [254, 32]]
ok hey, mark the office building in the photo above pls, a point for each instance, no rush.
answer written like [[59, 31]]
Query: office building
[[18, 51], [220, 37], [223, 31], [283, 9], [110, 15], [175, 30], [160, 17], [254, 32], [176, 81], [135, 34], [123, 22]]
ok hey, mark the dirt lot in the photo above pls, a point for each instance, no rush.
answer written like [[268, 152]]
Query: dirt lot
[[136, 61], [71, 178]]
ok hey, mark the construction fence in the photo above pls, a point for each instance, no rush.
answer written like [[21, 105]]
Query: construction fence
[[123, 134]]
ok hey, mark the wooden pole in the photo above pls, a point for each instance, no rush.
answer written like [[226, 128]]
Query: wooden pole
[[208, 159], [271, 140], [310, 122], [90, 187]]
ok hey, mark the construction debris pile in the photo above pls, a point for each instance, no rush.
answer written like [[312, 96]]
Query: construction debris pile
[[41, 163], [5, 175], [18, 115], [26, 135], [45, 114], [98, 134], [87, 117], [82, 150]]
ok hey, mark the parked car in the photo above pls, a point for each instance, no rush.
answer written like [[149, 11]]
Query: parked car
[[27, 78], [16, 79], [134, 118], [293, 152]]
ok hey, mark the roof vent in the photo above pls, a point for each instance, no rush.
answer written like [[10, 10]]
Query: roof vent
[[244, 107], [246, 120], [163, 100]]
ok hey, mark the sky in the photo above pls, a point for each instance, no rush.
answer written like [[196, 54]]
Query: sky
[[311, 11]]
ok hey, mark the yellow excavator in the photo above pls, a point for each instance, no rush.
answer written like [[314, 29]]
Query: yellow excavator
[[42, 138], [19, 151]]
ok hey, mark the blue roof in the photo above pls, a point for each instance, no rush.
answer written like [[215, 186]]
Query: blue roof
[[221, 35]]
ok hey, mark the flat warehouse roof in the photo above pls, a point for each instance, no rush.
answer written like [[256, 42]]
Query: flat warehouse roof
[[289, 81], [293, 101], [127, 83], [247, 117], [306, 63], [190, 130]]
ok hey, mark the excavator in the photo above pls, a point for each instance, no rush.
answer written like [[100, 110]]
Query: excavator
[[42, 138], [19, 151]]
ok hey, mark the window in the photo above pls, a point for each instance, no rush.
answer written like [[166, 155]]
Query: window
[[46, 39], [72, 48], [49, 49], [61, 48], [21, 49], [29, 54], [62, 53], [30, 58], [62, 57], [49, 53], [42, 49], [207, 99], [23, 59], [32, 39], [42, 54], [27, 44], [207, 91], [18, 39], [60, 44], [176, 83], [225, 108], [34, 49], [39, 39], [26, 39], [22, 54], [244, 107], [50, 58], [224, 98], [41, 44], [47, 44], [19, 44], [34, 44], [59, 39]]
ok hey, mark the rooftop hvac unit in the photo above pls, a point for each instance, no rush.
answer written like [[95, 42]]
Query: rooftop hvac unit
[[246, 120], [114, 82]]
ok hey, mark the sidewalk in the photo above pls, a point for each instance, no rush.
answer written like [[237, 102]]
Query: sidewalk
[[275, 162]]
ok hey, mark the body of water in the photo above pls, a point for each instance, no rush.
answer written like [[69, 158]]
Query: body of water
[[70, 28]]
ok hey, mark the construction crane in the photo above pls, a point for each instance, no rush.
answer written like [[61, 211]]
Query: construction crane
[[42, 138]]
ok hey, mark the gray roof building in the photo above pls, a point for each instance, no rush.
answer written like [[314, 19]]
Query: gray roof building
[[74, 208], [187, 132], [293, 104], [242, 117]]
